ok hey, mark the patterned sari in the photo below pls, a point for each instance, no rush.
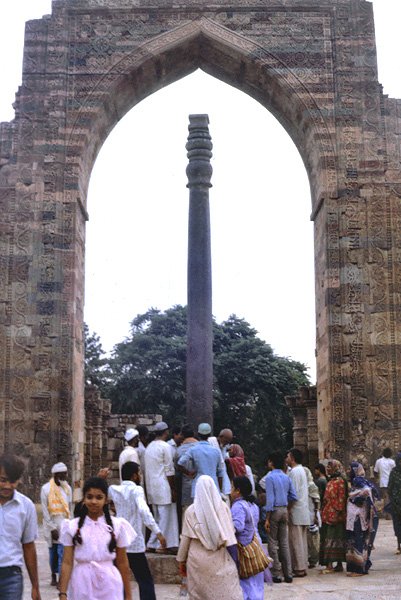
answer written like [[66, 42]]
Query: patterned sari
[[332, 533], [362, 521]]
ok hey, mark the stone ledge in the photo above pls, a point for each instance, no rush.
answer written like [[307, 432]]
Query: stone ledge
[[164, 568]]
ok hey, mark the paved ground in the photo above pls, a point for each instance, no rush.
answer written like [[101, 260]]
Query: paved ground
[[383, 582]]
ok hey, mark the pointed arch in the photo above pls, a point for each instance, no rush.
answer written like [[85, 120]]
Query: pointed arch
[[226, 55]]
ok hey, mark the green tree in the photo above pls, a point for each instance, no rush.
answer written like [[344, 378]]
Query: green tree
[[149, 367], [250, 381], [96, 364]]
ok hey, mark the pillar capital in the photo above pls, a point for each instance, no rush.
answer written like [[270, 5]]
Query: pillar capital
[[199, 152]]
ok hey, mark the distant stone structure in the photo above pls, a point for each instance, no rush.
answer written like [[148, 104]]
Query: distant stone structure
[[104, 431], [303, 406], [312, 63], [199, 284]]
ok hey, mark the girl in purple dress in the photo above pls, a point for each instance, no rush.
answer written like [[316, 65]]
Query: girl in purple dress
[[245, 515], [96, 542]]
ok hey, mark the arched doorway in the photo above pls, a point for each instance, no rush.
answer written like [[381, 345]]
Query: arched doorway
[[313, 66]]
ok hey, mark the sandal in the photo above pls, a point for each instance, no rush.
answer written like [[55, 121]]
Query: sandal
[[327, 571]]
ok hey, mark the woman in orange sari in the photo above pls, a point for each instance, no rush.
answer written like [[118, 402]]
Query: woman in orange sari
[[334, 512]]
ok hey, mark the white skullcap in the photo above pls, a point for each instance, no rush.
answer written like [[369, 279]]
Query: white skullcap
[[130, 434], [161, 426], [59, 468]]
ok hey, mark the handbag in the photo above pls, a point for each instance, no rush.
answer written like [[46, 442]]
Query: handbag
[[251, 558]]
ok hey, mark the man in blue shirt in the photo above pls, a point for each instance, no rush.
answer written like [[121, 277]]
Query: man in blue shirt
[[18, 531], [203, 458], [280, 493]]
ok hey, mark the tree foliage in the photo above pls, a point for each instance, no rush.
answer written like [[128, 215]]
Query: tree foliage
[[96, 364], [250, 382]]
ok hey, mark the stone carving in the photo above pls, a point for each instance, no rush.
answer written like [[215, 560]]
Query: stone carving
[[105, 433], [313, 65]]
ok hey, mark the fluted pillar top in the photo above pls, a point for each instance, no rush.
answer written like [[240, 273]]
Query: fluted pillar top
[[199, 151]]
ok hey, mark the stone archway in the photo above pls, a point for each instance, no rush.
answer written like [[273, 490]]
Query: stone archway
[[313, 64]]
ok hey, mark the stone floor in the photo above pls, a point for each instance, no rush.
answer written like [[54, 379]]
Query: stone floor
[[383, 582]]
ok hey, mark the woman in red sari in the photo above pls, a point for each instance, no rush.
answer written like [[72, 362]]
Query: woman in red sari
[[334, 511], [236, 463]]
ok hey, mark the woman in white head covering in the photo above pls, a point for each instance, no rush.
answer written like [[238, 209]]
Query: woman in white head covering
[[203, 555]]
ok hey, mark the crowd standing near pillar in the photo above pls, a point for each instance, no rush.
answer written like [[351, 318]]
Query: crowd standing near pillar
[[199, 501]]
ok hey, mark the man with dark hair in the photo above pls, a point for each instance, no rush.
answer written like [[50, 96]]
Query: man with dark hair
[[129, 502], [203, 458], [382, 470], [176, 439], [143, 442], [188, 442], [320, 478], [280, 494], [299, 519], [143, 432], [18, 531]]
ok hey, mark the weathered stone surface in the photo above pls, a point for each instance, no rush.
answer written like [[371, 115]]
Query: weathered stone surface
[[312, 63], [303, 407], [104, 434], [164, 569]]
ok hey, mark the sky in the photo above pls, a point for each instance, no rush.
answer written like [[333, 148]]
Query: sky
[[262, 236]]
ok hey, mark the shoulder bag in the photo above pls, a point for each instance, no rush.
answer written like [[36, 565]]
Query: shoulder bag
[[251, 558]]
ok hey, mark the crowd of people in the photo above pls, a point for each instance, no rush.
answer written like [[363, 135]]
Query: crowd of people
[[193, 495]]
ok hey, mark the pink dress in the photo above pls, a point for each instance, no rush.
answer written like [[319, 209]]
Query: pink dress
[[94, 576]]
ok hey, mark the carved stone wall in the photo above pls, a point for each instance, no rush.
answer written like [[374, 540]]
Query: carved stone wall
[[105, 433], [303, 406], [312, 63]]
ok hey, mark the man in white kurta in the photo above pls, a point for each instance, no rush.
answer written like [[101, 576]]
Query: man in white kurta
[[129, 502], [159, 477], [130, 452], [55, 498], [382, 470], [299, 516]]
